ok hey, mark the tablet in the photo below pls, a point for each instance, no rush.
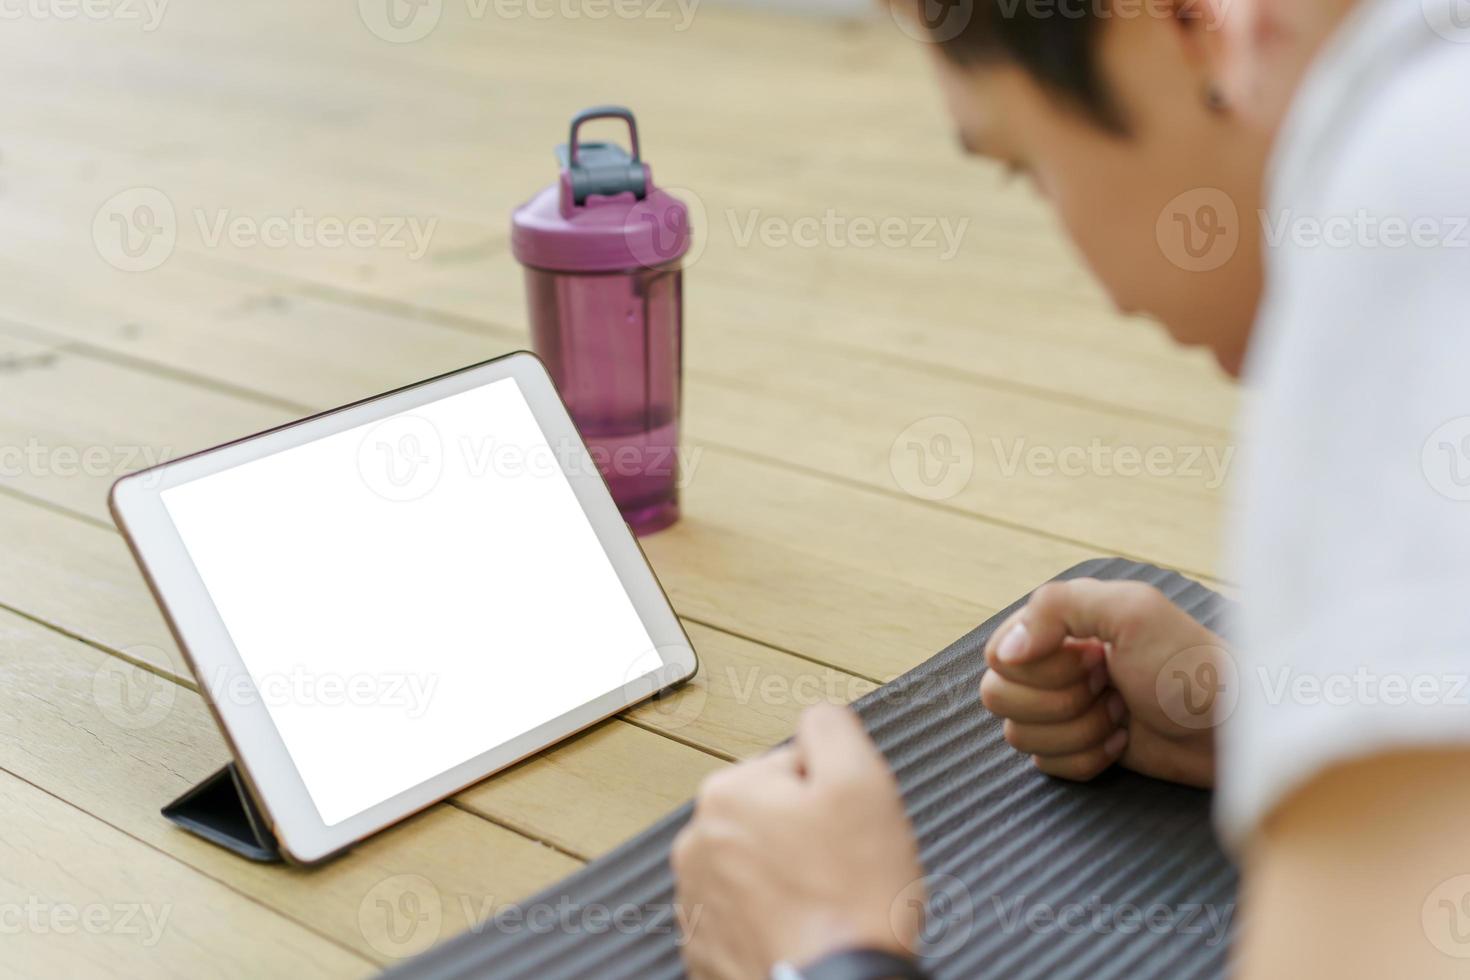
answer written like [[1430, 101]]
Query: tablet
[[387, 602]]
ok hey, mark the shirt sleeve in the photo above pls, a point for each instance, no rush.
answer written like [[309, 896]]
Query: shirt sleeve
[[1351, 537]]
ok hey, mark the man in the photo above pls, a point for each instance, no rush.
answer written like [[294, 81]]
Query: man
[[1342, 768]]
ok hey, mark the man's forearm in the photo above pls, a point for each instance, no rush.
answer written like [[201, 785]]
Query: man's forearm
[[1365, 872]]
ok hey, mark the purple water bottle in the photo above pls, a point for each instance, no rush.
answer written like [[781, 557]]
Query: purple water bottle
[[602, 250]]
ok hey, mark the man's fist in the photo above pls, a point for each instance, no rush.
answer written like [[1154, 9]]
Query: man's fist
[[802, 852], [1088, 673]]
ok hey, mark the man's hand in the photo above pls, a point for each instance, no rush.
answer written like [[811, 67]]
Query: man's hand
[[1090, 673], [799, 853]]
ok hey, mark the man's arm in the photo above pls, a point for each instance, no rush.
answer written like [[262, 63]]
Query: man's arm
[[1364, 872]]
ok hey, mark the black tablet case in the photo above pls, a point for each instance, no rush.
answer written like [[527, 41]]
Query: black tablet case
[[1129, 863], [221, 810]]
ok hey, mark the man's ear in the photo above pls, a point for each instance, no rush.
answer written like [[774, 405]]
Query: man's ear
[[1242, 42], [1203, 27]]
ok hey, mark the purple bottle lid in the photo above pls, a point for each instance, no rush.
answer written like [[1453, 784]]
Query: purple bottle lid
[[604, 214]]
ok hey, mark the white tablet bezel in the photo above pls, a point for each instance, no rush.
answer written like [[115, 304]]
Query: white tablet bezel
[[138, 509]]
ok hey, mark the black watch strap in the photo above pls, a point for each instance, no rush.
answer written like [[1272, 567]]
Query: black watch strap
[[862, 964]]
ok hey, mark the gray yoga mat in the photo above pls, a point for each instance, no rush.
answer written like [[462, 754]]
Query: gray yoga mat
[[1030, 876]]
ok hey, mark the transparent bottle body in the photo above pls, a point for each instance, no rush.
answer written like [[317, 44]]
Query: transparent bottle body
[[613, 343]]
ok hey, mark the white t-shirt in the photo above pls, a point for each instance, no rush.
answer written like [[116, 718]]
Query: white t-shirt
[[1351, 532]]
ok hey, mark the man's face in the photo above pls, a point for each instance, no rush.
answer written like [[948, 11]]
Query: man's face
[[1164, 214]]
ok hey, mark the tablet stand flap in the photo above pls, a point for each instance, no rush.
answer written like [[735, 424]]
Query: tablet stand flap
[[220, 810]]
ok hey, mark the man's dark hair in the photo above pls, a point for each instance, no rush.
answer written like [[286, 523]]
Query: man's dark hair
[[1055, 41]]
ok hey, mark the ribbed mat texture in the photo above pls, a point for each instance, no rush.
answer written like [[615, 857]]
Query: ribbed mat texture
[[1030, 877]]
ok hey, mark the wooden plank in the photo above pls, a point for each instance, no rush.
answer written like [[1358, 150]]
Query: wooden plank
[[853, 580], [114, 906], [57, 560], [858, 405], [1006, 333], [1010, 235], [1187, 543], [1000, 342], [352, 86], [117, 742], [855, 407]]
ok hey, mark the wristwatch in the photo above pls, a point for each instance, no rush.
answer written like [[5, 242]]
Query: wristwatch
[[853, 964]]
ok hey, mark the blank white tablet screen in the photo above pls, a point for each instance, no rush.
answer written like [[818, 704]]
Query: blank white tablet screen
[[408, 594]]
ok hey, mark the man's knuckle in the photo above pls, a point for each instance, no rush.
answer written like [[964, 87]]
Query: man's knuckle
[[862, 783], [719, 788], [721, 837], [1138, 602], [991, 685], [1078, 767], [1074, 700], [836, 793], [1093, 763], [682, 850], [1051, 596], [1099, 725]]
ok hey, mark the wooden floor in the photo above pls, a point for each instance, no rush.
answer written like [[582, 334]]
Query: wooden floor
[[815, 559]]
